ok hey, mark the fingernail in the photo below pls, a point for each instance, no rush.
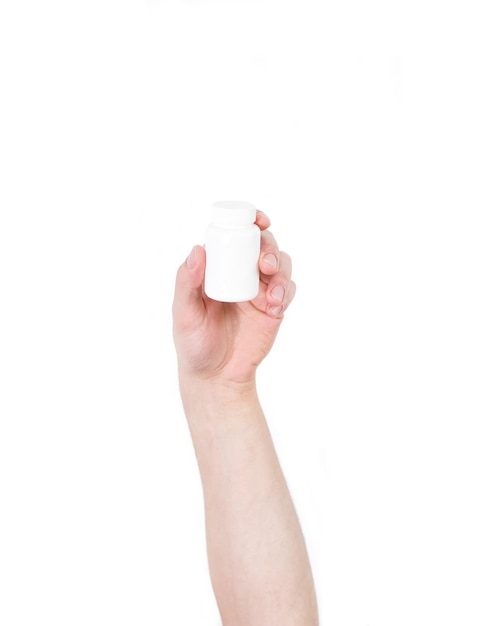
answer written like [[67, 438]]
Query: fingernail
[[275, 310], [191, 261], [271, 259], [278, 293]]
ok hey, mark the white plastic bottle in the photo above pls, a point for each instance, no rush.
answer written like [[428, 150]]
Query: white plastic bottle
[[232, 248]]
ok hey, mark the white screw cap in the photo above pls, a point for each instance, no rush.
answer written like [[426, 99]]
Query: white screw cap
[[233, 214]]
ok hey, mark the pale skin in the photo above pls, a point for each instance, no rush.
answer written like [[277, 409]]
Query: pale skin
[[258, 561]]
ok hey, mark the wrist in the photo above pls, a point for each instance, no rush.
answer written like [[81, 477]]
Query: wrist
[[216, 398], [215, 386]]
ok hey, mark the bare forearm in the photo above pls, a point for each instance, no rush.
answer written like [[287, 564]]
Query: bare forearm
[[257, 556]]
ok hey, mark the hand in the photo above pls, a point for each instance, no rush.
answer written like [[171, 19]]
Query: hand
[[227, 341]]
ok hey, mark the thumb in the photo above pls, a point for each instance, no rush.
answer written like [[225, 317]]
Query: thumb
[[188, 303]]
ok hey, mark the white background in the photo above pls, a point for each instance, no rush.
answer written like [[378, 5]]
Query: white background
[[367, 132]]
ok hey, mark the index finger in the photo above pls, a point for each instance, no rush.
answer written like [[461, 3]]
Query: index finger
[[262, 220]]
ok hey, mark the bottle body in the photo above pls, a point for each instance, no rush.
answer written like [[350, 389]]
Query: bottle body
[[232, 249]]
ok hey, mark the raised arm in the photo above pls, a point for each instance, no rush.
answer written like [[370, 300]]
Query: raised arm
[[258, 561]]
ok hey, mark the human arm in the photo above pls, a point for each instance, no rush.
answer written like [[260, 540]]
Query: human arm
[[258, 561]]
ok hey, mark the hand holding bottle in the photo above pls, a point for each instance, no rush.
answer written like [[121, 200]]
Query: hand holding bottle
[[225, 342]]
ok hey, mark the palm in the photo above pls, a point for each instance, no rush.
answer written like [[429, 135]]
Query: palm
[[232, 339]]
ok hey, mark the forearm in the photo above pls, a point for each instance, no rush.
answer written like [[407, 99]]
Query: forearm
[[257, 556]]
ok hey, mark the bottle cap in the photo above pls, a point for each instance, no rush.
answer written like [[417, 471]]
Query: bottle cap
[[233, 214]]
